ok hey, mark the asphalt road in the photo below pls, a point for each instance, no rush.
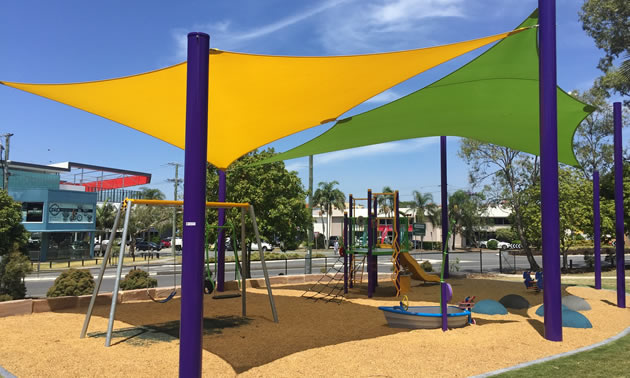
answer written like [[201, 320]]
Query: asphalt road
[[467, 262]]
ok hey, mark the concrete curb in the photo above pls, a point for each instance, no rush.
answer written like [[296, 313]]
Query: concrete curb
[[556, 356]]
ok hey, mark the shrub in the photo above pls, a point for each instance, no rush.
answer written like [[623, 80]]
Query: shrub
[[72, 282], [589, 259], [492, 244], [137, 279], [5, 297], [505, 235], [13, 269], [426, 265]]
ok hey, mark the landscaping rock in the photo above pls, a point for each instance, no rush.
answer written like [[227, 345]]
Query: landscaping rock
[[541, 310], [514, 301], [489, 307], [574, 319], [575, 303]]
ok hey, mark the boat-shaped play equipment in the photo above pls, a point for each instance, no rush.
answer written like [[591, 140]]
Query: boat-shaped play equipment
[[417, 317]]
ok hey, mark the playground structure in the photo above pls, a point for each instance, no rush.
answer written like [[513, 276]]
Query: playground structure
[[130, 112], [126, 206], [368, 238]]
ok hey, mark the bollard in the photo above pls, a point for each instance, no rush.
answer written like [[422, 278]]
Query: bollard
[[326, 263], [50, 265], [500, 263], [285, 266], [570, 264], [82, 262], [480, 261]]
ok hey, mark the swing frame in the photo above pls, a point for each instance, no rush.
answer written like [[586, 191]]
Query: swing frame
[[126, 206]]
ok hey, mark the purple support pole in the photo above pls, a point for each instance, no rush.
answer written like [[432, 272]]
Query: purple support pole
[[444, 202], [370, 243], [345, 254], [619, 231], [191, 324], [444, 305], [374, 236], [351, 257], [550, 221], [597, 232], [221, 239], [399, 238]]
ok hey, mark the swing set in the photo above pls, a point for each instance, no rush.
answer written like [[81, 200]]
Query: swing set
[[126, 207]]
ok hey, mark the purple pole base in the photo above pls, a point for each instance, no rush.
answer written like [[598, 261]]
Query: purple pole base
[[443, 305]]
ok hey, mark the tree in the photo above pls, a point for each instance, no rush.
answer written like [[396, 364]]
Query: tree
[[512, 172], [608, 194], [575, 205], [13, 240], [326, 196], [465, 213], [423, 203], [386, 202], [277, 195], [144, 218], [151, 193], [105, 216], [608, 23]]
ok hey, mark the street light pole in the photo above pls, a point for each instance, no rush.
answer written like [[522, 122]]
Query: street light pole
[[5, 174]]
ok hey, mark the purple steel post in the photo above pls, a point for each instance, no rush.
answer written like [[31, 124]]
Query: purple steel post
[[374, 236], [399, 238], [444, 202], [370, 243], [345, 255], [597, 232], [191, 318], [444, 305], [351, 257], [619, 231], [221, 239], [550, 221]]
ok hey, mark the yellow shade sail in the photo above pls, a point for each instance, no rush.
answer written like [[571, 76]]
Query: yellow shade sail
[[253, 99]]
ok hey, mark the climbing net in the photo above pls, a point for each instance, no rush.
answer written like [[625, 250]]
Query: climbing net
[[330, 285]]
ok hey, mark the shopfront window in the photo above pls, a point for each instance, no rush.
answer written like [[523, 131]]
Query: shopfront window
[[32, 211], [59, 212]]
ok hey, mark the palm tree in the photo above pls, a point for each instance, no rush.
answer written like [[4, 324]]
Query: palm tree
[[326, 196], [386, 203], [151, 193], [424, 203], [105, 217]]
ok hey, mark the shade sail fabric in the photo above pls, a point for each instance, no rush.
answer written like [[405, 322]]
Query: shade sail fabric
[[493, 98], [253, 99]]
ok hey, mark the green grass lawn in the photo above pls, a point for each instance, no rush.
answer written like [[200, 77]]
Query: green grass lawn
[[611, 360]]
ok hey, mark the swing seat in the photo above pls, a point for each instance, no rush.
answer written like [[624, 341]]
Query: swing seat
[[164, 300]]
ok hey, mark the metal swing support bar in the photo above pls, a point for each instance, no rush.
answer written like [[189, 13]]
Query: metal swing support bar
[[129, 203], [121, 258], [101, 273], [252, 214]]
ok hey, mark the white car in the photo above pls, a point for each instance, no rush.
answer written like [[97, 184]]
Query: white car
[[265, 246], [500, 244]]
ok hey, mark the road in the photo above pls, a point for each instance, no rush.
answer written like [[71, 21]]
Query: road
[[467, 262]]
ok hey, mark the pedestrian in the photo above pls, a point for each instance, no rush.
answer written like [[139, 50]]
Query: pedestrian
[[336, 247]]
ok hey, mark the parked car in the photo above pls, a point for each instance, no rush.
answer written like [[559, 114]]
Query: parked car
[[332, 240], [500, 244], [147, 246], [165, 243], [266, 247]]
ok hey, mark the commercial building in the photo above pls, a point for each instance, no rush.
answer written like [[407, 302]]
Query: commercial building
[[59, 204]]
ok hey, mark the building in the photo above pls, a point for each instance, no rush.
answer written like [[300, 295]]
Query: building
[[494, 218], [59, 204]]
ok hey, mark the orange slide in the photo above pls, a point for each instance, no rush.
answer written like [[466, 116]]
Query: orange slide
[[417, 273]]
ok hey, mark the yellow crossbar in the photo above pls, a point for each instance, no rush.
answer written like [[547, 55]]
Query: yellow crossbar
[[181, 203], [383, 194]]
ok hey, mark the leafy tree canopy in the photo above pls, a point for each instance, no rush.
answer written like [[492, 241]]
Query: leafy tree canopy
[[277, 195], [608, 23], [13, 235]]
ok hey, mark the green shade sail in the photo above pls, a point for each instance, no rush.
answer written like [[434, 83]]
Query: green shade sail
[[494, 99]]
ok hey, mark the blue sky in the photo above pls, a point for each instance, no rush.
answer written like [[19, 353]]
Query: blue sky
[[72, 41]]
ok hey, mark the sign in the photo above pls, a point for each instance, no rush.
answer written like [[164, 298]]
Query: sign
[[70, 213], [420, 229]]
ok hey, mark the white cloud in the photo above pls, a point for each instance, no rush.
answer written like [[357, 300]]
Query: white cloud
[[376, 150], [226, 38], [296, 166], [359, 28]]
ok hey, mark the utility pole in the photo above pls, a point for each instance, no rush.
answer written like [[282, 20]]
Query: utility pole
[[176, 181], [5, 174]]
